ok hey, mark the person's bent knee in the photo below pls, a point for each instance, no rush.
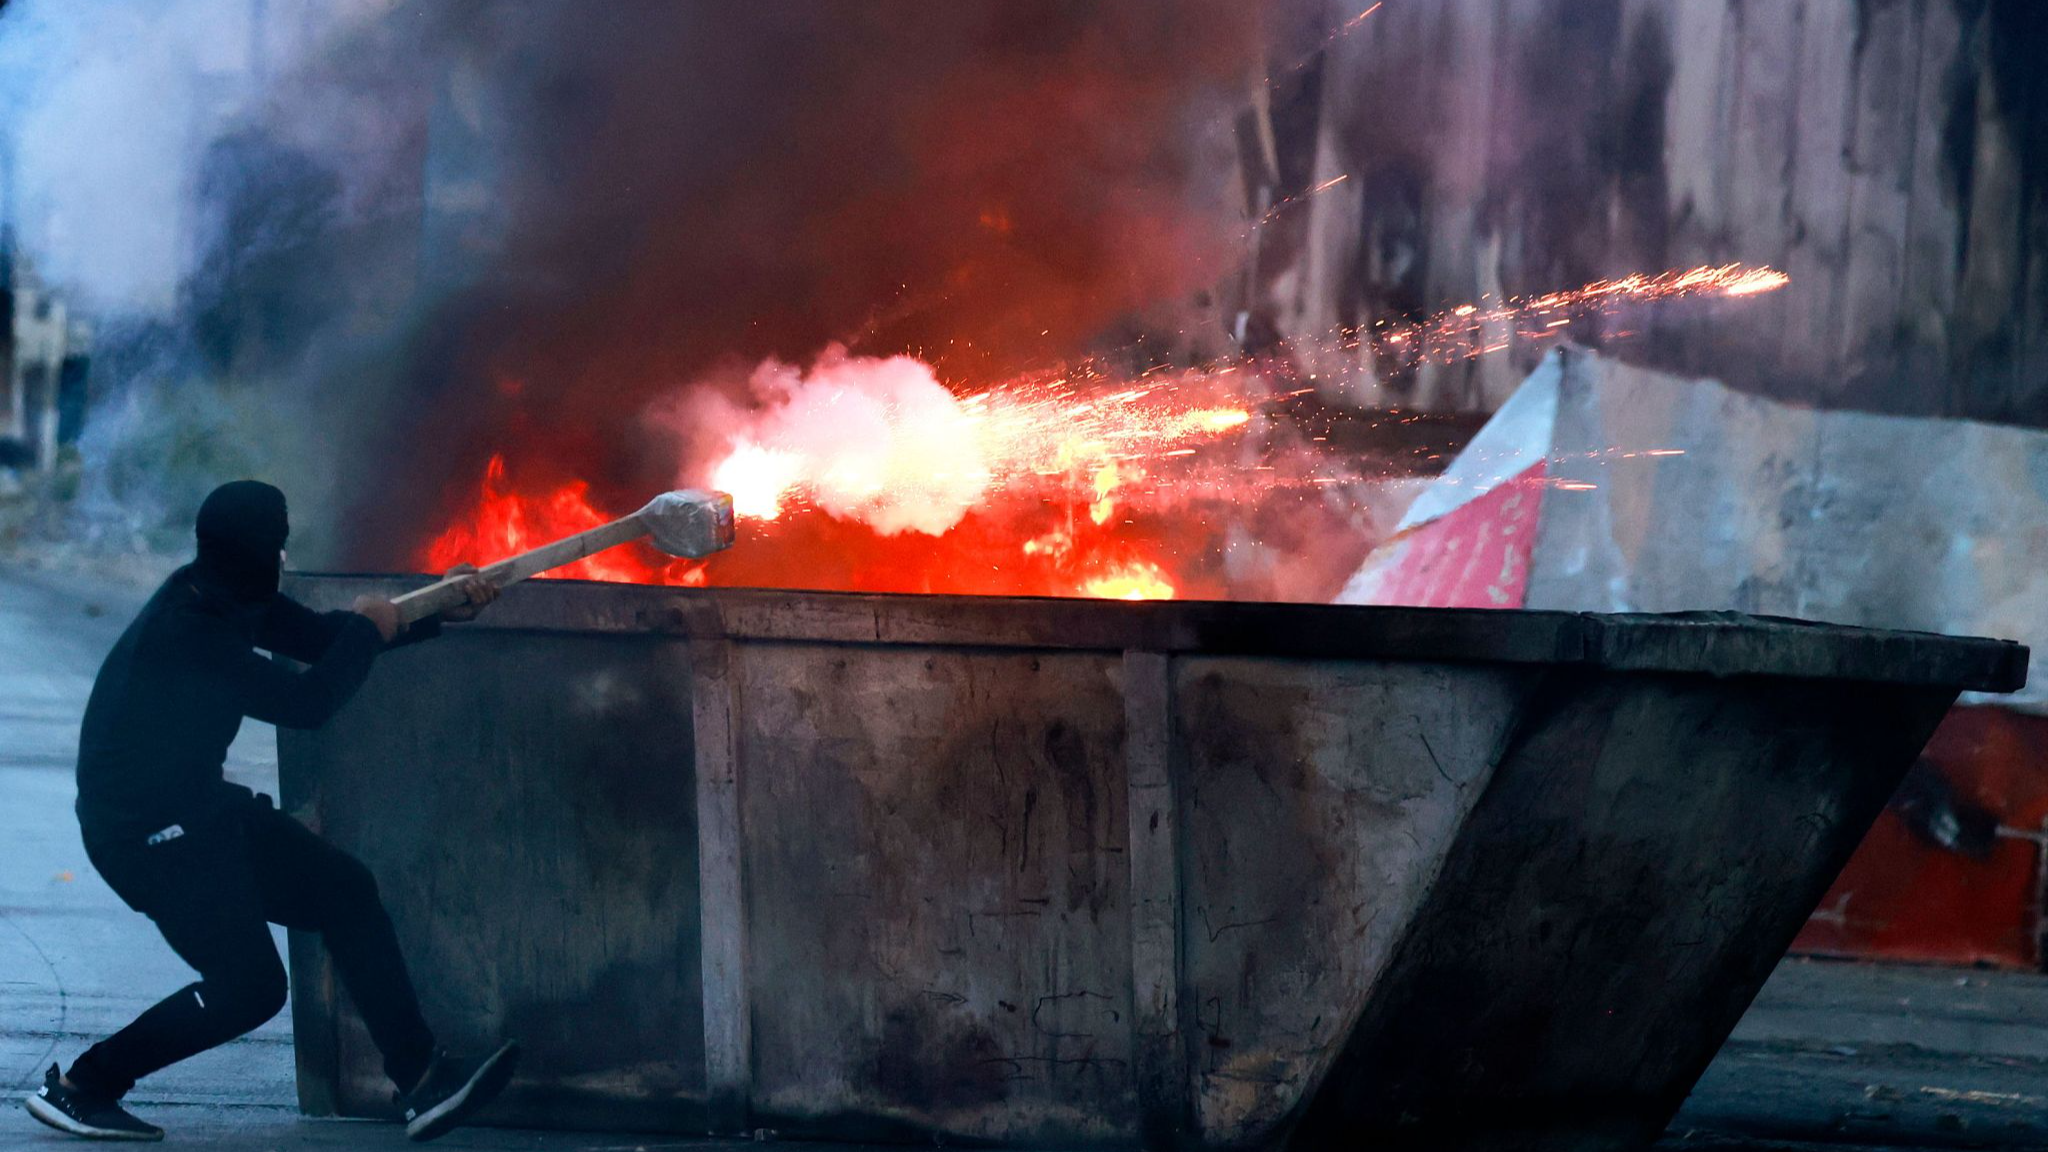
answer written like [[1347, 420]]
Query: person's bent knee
[[354, 886], [262, 1002], [244, 1004]]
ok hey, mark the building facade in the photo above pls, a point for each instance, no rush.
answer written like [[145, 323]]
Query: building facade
[[43, 368]]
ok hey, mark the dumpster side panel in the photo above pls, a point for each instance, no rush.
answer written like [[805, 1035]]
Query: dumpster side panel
[[527, 803], [1319, 799], [1647, 849], [937, 891], [903, 867]]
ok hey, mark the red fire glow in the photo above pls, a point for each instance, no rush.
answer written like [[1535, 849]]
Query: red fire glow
[[1061, 554], [506, 522]]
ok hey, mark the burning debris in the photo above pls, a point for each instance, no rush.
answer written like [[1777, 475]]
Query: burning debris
[[686, 523], [507, 524], [1084, 481]]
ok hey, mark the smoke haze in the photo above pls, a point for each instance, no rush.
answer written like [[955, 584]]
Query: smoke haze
[[424, 233]]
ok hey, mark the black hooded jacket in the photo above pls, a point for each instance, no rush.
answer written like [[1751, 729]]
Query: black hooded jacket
[[172, 693]]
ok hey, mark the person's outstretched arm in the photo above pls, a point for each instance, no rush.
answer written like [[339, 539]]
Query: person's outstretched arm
[[293, 630], [289, 698]]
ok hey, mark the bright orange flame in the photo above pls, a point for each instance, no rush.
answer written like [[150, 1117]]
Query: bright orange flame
[[1139, 580], [1106, 481], [506, 523]]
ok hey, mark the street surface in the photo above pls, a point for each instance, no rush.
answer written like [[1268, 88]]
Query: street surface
[[1849, 1056]]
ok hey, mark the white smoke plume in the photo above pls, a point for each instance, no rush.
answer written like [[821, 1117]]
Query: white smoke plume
[[107, 108], [205, 187], [879, 441]]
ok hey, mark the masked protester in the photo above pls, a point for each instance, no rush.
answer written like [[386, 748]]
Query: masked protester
[[212, 863]]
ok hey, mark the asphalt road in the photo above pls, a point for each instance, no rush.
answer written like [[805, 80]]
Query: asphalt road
[[1839, 1056]]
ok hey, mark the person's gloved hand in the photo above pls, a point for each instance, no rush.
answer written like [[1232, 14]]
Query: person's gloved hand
[[479, 590], [383, 613]]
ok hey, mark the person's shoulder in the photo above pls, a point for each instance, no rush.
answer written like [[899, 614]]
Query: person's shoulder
[[181, 608], [279, 602], [178, 594]]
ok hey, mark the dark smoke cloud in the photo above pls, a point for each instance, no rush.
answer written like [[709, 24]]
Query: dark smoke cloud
[[360, 246], [621, 199]]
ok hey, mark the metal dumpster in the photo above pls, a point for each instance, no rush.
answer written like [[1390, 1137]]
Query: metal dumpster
[[1071, 873]]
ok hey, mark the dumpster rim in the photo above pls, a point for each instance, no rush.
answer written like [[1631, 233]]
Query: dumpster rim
[[1710, 643]]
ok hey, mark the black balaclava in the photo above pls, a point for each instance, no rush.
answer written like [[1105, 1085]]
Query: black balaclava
[[242, 530]]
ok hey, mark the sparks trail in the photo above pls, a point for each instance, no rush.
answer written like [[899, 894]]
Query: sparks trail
[[1355, 21], [885, 443], [1274, 212], [1479, 329], [1342, 30], [1476, 329]]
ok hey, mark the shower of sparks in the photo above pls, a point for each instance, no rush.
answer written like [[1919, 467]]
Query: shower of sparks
[[1099, 438], [1034, 429]]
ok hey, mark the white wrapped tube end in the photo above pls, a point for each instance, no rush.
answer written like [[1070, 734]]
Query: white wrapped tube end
[[690, 522]]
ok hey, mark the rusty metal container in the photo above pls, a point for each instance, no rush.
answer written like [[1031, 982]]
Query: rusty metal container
[[1064, 873]]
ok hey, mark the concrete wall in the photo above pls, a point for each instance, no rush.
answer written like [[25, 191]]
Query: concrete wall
[[1888, 154], [1849, 518]]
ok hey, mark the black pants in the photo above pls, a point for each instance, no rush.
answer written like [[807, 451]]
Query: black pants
[[211, 892]]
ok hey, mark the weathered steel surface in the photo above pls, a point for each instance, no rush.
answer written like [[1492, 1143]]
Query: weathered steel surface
[[1065, 873], [1320, 799], [539, 854], [1647, 849], [935, 860]]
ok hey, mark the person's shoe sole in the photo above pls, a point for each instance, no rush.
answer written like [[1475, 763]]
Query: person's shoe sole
[[50, 1114], [489, 1079]]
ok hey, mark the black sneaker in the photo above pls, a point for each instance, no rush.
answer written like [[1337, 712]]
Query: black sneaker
[[84, 1114], [453, 1089]]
